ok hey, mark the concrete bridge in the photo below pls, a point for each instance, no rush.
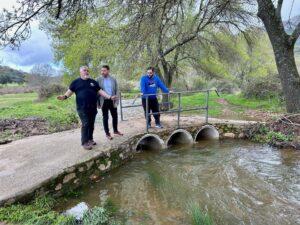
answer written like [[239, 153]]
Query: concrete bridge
[[56, 163]]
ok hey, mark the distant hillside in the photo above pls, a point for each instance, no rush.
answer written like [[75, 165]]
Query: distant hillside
[[9, 75]]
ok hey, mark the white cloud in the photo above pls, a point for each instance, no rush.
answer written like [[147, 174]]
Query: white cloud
[[287, 9], [8, 4], [37, 49]]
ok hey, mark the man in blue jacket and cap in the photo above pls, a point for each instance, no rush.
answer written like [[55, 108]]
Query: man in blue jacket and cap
[[149, 85]]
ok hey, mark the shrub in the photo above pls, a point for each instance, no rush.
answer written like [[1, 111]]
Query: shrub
[[262, 87], [274, 137], [125, 85], [223, 86], [46, 91], [198, 83]]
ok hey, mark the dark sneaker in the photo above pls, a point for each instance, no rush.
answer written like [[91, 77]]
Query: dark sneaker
[[86, 146], [92, 142], [109, 137], [118, 133], [159, 126]]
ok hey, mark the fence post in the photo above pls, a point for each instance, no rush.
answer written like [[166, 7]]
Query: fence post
[[147, 113], [179, 109], [121, 107], [207, 99]]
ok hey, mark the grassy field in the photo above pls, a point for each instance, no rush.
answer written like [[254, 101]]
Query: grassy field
[[230, 102], [21, 106], [25, 105]]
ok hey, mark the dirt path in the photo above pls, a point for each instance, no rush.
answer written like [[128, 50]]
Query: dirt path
[[230, 111]]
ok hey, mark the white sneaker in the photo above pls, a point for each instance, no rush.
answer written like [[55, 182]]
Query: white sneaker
[[159, 126]]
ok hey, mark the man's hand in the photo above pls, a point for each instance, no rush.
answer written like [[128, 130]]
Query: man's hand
[[61, 97], [65, 96], [115, 97]]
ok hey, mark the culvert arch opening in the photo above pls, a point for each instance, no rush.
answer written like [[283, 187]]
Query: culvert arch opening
[[149, 142], [180, 137], [207, 132]]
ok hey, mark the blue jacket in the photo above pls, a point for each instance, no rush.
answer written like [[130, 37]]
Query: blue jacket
[[150, 85]]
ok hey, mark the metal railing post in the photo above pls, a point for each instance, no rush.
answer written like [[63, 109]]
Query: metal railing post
[[121, 107], [207, 99], [147, 113], [179, 109]]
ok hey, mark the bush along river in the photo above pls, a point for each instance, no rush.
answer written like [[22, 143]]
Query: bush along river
[[226, 182]]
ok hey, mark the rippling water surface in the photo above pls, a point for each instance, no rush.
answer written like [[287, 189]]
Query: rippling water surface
[[236, 182]]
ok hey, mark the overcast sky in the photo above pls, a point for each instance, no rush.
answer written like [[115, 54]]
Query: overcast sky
[[37, 49]]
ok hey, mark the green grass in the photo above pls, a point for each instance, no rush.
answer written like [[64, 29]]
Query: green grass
[[21, 106], [197, 215], [12, 85], [59, 113], [41, 212], [130, 95], [200, 100], [237, 103], [272, 104]]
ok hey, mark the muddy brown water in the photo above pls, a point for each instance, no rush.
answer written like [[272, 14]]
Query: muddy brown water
[[236, 182]]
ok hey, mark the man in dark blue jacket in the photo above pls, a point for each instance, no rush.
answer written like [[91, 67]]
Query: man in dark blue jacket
[[149, 85]]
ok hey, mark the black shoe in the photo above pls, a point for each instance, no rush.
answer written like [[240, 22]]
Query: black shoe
[[109, 137], [92, 142]]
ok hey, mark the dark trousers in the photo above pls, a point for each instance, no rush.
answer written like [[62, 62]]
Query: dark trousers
[[154, 107], [108, 105], [87, 118]]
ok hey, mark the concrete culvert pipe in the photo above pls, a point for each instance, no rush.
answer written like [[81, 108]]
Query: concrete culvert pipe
[[180, 137], [150, 142], [207, 132]]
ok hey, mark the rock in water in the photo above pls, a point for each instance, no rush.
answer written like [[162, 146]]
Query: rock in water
[[78, 211]]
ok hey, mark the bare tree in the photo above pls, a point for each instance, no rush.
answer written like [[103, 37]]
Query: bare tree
[[283, 47], [41, 75], [15, 25]]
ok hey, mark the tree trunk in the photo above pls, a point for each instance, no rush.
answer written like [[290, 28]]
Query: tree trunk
[[168, 73], [289, 77], [284, 54]]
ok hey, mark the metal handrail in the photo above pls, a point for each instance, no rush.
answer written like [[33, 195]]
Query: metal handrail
[[178, 110]]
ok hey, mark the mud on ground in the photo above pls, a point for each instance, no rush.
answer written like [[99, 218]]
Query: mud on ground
[[13, 129]]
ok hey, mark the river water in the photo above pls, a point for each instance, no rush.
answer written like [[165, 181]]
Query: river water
[[235, 182]]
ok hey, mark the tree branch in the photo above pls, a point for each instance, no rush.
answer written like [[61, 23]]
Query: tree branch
[[295, 35], [59, 7], [279, 7]]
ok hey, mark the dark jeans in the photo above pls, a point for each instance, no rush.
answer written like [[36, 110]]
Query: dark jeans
[[87, 118], [154, 107], [108, 105]]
